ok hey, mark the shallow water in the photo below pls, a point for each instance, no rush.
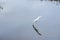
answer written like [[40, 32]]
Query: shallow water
[[17, 16]]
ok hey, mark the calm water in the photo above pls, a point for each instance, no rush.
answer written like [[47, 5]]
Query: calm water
[[17, 16]]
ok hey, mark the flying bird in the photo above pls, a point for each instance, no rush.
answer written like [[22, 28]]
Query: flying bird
[[34, 26]]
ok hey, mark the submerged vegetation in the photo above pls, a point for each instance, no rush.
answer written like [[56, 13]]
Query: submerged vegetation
[[1, 7], [51, 0], [54, 1]]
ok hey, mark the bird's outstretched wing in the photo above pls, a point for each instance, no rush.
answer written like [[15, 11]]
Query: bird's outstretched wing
[[36, 30]]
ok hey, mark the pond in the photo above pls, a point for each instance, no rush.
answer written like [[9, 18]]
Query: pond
[[17, 16]]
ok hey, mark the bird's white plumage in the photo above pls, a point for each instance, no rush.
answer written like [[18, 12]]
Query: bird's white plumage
[[37, 19]]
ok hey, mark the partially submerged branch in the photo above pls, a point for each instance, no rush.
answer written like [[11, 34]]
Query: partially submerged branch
[[34, 25], [36, 30]]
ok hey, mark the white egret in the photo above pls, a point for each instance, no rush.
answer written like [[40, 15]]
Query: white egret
[[34, 26]]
